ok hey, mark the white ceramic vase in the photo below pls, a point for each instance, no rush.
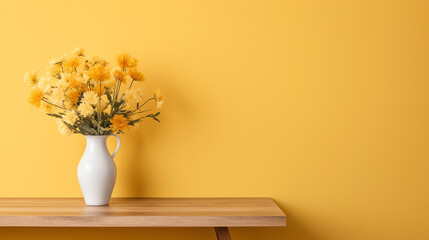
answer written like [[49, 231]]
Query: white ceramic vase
[[97, 171]]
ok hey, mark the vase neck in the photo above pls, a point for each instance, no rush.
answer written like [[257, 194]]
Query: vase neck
[[93, 142]]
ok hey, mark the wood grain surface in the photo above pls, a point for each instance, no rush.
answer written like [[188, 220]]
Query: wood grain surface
[[141, 212]]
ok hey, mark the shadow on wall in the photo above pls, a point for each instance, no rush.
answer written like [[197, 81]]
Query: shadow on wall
[[138, 164], [296, 229], [135, 179]]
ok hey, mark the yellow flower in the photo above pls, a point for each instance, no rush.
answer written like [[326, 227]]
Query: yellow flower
[[98, 73], [83, 78], [90, 97], [72, 63], [57, 96], [36, 96], [47, 108], [44, 84], [159, 98], [63, 128], [77, 86], [70, 117], [119, 123], [132, 97], [54, 68], [78, 52], [31, 78], [85, 109], [96, 60], [62, 84], [65, 76], [120, 75], [73, 95], [136, 75], [107, 108], [72, 81], [126, 61], [82, 88], [70, 105], [109, 84], [59, 60], [99, 90]]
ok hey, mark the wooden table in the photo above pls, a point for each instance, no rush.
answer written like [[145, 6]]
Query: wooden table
[[219, 213]]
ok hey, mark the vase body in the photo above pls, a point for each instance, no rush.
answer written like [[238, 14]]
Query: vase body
[[97, 171]]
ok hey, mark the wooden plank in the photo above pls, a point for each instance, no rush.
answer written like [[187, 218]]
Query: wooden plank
[[141, 212]]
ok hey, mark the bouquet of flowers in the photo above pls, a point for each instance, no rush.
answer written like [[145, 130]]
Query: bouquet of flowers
[[85, 95]]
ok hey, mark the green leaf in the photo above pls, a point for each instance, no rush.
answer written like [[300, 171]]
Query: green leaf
[[87, 128], [54, 115], [156, 114]]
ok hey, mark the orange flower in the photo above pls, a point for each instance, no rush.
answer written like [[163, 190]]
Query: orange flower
[[72, 63], [99, 90], [73, 95], [36, 97], [98, 73], [119, 123], [79, 52], [136, 75], [120, 76], [126, 61], [73, 82], [32, 78]]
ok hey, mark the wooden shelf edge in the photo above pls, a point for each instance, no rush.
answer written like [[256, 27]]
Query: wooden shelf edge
[[142, 221]]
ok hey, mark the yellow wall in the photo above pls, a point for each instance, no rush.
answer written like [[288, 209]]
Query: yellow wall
[[321, 105]]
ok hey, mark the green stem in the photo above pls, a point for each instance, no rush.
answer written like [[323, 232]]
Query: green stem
[[99, 109], [119, 88], [142, 111], [142, 104], [53, 104], [114, 89]]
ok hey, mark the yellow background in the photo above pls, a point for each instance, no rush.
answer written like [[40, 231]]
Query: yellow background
[[321, 105]]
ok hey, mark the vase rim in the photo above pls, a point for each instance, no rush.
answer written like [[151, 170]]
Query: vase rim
[[100, 136]]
